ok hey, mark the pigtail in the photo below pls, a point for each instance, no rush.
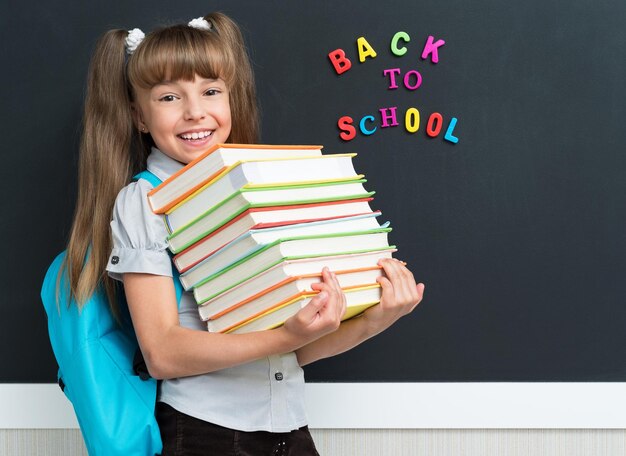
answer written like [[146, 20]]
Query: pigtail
[[112, 150], [243, 101], [105, 166]]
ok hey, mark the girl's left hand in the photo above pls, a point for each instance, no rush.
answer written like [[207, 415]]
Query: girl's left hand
[[400, 295]]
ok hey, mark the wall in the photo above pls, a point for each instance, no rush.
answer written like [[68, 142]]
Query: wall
[[379, 442]]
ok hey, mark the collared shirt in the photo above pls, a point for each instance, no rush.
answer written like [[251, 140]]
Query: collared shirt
[[267, 394]]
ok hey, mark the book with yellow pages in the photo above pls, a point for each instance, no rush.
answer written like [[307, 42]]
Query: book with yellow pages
[[358, 299], [185, 222], [214, 161], [228, 312], [283, 271]]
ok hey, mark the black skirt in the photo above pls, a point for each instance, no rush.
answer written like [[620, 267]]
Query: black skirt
[[185, 435]]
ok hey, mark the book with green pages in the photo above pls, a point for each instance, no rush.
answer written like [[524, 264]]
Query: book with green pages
[[358, 299], [251, 241], [283, 249], [185, 224], [262, 173], [273, 220]]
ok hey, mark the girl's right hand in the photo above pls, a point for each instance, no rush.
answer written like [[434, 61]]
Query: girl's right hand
[[323, 314]]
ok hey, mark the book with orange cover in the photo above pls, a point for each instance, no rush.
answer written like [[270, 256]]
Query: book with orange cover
[[214, 161], [358, 299], [283, 271], [229, 309], [262, 173]]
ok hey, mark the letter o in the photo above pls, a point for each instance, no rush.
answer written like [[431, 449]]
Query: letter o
[[412, 120], [435, 122], [407, 78]]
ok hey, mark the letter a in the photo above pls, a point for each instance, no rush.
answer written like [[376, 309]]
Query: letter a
[[340, 61], [365, 50], [431, 48]]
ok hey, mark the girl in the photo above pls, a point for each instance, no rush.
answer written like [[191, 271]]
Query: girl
[[157, 103]]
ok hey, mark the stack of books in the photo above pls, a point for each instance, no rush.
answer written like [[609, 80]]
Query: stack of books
[[251, 227]]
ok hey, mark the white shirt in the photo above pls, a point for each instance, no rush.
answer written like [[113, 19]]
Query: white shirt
[[267, 394]]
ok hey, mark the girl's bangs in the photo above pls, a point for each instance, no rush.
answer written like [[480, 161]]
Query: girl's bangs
[[179, 52]]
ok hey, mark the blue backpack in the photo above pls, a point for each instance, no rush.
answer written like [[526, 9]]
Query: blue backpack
[[97, 358]]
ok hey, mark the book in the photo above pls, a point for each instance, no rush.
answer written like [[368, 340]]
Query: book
[[358, 299], [251, 241], [265, 219], [263, 173], [283, 272], [286, 249], [231, 312], [214, 161], [187, 220]]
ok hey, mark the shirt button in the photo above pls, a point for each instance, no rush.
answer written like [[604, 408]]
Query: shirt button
[[278, 376]]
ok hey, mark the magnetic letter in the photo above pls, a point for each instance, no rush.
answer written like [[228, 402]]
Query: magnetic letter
[[431, 48], [394, 43], [418, 81], [392, 77], [386, 117], [412, 120], [340, 61], [348, 132], [434, 124], [364, 130], [449, 136], [365, 50]]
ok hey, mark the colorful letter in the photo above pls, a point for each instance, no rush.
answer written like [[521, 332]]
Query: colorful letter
[[386, 117], [412, 120], [431, 48], [364, 130], [365, 50], [449, 136], [394, 43], [407, 76], [392, 77], [435, 122], [348, 132], [340, 61]]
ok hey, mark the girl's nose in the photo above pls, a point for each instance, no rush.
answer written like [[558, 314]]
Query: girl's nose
[[194, 110]]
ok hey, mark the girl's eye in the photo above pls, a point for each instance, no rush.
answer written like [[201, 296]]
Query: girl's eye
[[212, 92], [167, 98]]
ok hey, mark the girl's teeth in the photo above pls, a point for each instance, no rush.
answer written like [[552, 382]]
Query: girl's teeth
[[196, 135]]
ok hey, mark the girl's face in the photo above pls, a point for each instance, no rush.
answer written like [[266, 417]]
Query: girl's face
[[185, 118]]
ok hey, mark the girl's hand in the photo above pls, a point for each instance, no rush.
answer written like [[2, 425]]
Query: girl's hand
[[400, 295], [322, 315]]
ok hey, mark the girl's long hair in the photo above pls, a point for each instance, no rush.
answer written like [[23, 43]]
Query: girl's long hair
[[112, 150]]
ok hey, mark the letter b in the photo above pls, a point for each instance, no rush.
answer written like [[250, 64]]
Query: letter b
[[339, 60]]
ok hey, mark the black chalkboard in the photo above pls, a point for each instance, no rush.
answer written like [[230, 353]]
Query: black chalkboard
[[518, 230]]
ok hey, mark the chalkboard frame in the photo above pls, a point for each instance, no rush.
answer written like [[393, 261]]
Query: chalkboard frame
[[392, 406], [499, 405]]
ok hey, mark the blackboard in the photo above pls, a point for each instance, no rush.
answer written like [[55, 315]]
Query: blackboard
[[518, 229]]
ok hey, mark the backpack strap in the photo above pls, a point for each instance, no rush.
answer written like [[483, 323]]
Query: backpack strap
[[155, 181], [139, 364]]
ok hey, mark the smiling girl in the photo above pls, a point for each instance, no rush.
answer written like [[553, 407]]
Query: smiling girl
[[157, 103]]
